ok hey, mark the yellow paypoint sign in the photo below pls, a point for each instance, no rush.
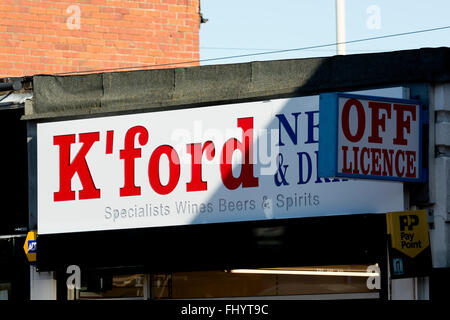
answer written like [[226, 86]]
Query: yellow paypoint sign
[[409, 231], [30, 246]]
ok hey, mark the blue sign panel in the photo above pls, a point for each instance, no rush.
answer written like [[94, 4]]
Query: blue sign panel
[[31, 246], [368, 137]]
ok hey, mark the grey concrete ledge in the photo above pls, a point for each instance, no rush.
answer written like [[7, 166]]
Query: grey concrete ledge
[[152, 90]]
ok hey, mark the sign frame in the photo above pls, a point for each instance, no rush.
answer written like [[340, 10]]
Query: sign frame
[[329, 135], [404, 264], [56, 217], [31, 243]]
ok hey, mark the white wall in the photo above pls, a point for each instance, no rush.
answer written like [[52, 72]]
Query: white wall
[[42, 285], [439, 160]]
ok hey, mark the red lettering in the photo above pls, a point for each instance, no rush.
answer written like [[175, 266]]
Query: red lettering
[[387, 161], [397, 162], [345, 169], [109, 141], [376, 154], [79, 165], [174, 169], [378, 162], [345, 120], [348, 169], [128, 154], [355, 158], [246, 177], [402, 123], [196, 151], [410, 168], [363, 167], [378, 122]]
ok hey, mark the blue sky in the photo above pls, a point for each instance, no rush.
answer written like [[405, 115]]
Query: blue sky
[[253, 26]]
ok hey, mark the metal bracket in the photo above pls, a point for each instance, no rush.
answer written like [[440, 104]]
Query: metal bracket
[[430, 219]]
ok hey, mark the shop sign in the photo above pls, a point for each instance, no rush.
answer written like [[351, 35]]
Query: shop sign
[[409, 249], [238, 162], [370, 138], [30, 246]]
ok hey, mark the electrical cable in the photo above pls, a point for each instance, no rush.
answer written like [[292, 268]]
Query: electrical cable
[[6, 96], [260, 53], [259, 49]]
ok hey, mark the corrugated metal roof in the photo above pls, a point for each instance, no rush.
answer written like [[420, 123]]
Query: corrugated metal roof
[[14, 100]]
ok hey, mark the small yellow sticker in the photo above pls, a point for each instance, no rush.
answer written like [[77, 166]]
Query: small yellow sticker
[[409, 231], [30, 246]]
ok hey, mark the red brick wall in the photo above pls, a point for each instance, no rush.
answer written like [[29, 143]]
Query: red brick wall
[[59, 36]]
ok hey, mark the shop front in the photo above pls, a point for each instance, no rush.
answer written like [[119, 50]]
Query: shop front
[[214, 202], [276, 259], [189, 198]]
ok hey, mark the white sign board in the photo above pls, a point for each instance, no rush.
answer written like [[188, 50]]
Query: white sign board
[[238, 162], [377, 137]]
